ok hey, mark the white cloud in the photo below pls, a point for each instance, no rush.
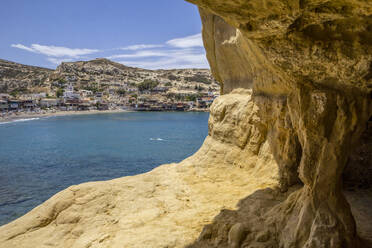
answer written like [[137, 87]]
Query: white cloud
[[20, 46], [58, 61], [140, 54], [170, 59], [183, 42], [168, 64], [56, 51], [186, 42], [185, 52], [140, 47]]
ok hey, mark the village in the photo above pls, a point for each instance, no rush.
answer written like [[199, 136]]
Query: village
[[102, 85], [145, 97]]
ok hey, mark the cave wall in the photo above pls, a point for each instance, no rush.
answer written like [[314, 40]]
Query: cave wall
[[308, 64]]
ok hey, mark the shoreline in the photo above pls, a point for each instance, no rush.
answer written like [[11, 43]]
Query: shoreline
[[21, 116]]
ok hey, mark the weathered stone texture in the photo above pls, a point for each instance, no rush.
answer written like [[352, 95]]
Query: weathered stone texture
[[308, 64]]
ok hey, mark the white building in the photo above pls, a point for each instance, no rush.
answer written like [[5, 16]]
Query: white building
[[69, 93], [47, 103], [86, 93], [4, 96]]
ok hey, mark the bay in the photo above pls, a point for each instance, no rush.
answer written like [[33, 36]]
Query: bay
[[41, 157]]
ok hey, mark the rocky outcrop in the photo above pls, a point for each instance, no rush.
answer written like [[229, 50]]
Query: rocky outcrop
[[166, 207], [309, 66]]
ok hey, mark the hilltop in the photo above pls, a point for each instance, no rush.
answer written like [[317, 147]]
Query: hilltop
[[96, 75], [14, 76]]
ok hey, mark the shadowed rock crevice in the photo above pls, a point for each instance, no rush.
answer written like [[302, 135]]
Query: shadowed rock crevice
[[357, 179], [244, 227], [358, 171]]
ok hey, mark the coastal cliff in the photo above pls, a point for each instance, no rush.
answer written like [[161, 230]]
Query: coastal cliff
[[308, 64], [296, 78]]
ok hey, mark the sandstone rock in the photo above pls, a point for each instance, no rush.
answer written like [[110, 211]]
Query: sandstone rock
[[166, 207], [236, 235], [309, 66]]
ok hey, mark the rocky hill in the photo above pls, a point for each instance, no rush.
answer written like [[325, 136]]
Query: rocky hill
[[94, 70], [14, 76], [98, 74]]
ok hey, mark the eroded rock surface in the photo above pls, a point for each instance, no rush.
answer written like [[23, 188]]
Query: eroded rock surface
[[166, 207], [309, 66]]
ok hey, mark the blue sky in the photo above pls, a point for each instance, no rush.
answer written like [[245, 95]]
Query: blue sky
[[143, 33]]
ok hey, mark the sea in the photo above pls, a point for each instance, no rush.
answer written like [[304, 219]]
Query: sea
[[42, 156]]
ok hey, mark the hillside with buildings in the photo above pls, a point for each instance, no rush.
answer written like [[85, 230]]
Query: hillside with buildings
[[102, 84]]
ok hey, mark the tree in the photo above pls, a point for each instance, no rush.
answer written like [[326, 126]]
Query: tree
[[147, 84], [199, 79], [200, 88], [121, 92], [4, 88], [62, 81], [191, 97], [14, 93], [59, 92], [173, 77]]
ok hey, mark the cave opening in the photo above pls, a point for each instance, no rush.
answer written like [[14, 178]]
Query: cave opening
[[358, 170], [357, 183]]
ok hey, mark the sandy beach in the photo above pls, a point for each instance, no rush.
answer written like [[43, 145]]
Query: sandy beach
[[9, 117], [29, 115]]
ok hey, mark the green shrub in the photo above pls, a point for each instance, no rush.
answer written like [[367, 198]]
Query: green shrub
[[121, 92], [59, 92], [147, 84]]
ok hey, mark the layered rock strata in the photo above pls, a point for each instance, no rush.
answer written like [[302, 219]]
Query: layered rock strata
[[309, 66]]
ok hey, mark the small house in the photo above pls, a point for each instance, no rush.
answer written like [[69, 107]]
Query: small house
[[4, 105], [49, 103], [28, 104], [14, 104], [4, 97]]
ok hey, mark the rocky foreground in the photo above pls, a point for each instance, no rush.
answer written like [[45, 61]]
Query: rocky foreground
[[166, 207], [296, 110]]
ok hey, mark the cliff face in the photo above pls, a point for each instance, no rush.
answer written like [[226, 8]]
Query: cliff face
[[309, 66]]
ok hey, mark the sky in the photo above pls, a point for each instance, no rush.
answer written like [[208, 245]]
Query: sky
[[161, 34]]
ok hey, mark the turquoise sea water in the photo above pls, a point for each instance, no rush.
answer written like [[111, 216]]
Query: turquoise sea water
[[41, 157]]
